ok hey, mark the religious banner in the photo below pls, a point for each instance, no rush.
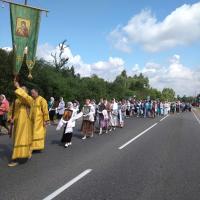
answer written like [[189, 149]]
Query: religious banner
[[25, 23]]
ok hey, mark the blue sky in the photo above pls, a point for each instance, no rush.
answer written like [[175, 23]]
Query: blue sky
[[94, 29]]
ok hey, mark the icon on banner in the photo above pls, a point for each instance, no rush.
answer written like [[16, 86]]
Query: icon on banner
[[23, 27]]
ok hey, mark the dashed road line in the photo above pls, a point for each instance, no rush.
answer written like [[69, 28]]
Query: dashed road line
[[198, 120], [142, 133], [67, 185], [135, 138], [164, 118]]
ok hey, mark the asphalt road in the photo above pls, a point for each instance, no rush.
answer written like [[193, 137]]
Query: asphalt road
[[160, 162]]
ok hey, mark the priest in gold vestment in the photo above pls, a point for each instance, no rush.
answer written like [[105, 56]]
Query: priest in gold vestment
[[39, 116], [22, 133]]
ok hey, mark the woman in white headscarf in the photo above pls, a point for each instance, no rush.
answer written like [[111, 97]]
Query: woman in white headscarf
[[114, 115], [61, 108], [52, 110]]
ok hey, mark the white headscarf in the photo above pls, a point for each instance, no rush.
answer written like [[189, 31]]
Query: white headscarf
[[4, 97], [52, 99], [69, 105]]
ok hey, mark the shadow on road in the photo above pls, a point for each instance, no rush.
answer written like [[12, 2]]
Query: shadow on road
[[5, 152], [56, 142], [77, 134]]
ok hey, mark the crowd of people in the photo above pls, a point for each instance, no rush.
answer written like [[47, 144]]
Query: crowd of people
[[30, 114], [105, 116]]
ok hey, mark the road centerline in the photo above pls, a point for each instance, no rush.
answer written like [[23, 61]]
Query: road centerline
[[164, 118], [67, 185], [136, 137]]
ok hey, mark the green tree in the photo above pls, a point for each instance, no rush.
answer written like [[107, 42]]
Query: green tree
[[168, 94], [63, 81]]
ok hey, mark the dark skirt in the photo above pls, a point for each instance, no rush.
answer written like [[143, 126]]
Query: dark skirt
[[3, 121], [66, 138], [59, 116], [52, 114], [87, 127], [127, 112]]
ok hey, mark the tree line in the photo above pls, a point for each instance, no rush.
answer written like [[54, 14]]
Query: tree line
[[58, 79]]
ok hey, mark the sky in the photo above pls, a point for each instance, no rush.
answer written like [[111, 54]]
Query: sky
[[160, 39]]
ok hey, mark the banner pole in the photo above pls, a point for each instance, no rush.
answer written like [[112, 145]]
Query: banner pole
[[24, 5]]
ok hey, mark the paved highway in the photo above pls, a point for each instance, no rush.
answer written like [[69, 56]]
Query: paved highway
[[149, 159]]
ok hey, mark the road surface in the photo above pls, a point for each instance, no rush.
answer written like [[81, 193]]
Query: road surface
[[149, 159]]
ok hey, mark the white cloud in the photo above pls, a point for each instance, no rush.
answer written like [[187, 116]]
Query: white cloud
[[7, 49], [105, 69], [177, 76], [181, 27], [108, 69]]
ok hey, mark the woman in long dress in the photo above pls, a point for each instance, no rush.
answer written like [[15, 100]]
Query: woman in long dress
[[103, 117], [114, 115], [88, 120]]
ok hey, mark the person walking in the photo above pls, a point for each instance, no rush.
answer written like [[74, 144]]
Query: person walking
[[22, 133], [114, 115], [69, 117], [61, 108], [39, 116], [88, 120], [103, 116], [3, 113], [52, 110]]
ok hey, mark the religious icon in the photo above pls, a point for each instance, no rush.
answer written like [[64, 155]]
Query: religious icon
[[67, 114], [86, 111], [23, 27]]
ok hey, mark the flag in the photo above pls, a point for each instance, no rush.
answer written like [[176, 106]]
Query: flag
[[25, 22]]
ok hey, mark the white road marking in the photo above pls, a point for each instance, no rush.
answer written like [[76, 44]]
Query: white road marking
[[164, 118], [135, 138], [67, 185], [196, 117]]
